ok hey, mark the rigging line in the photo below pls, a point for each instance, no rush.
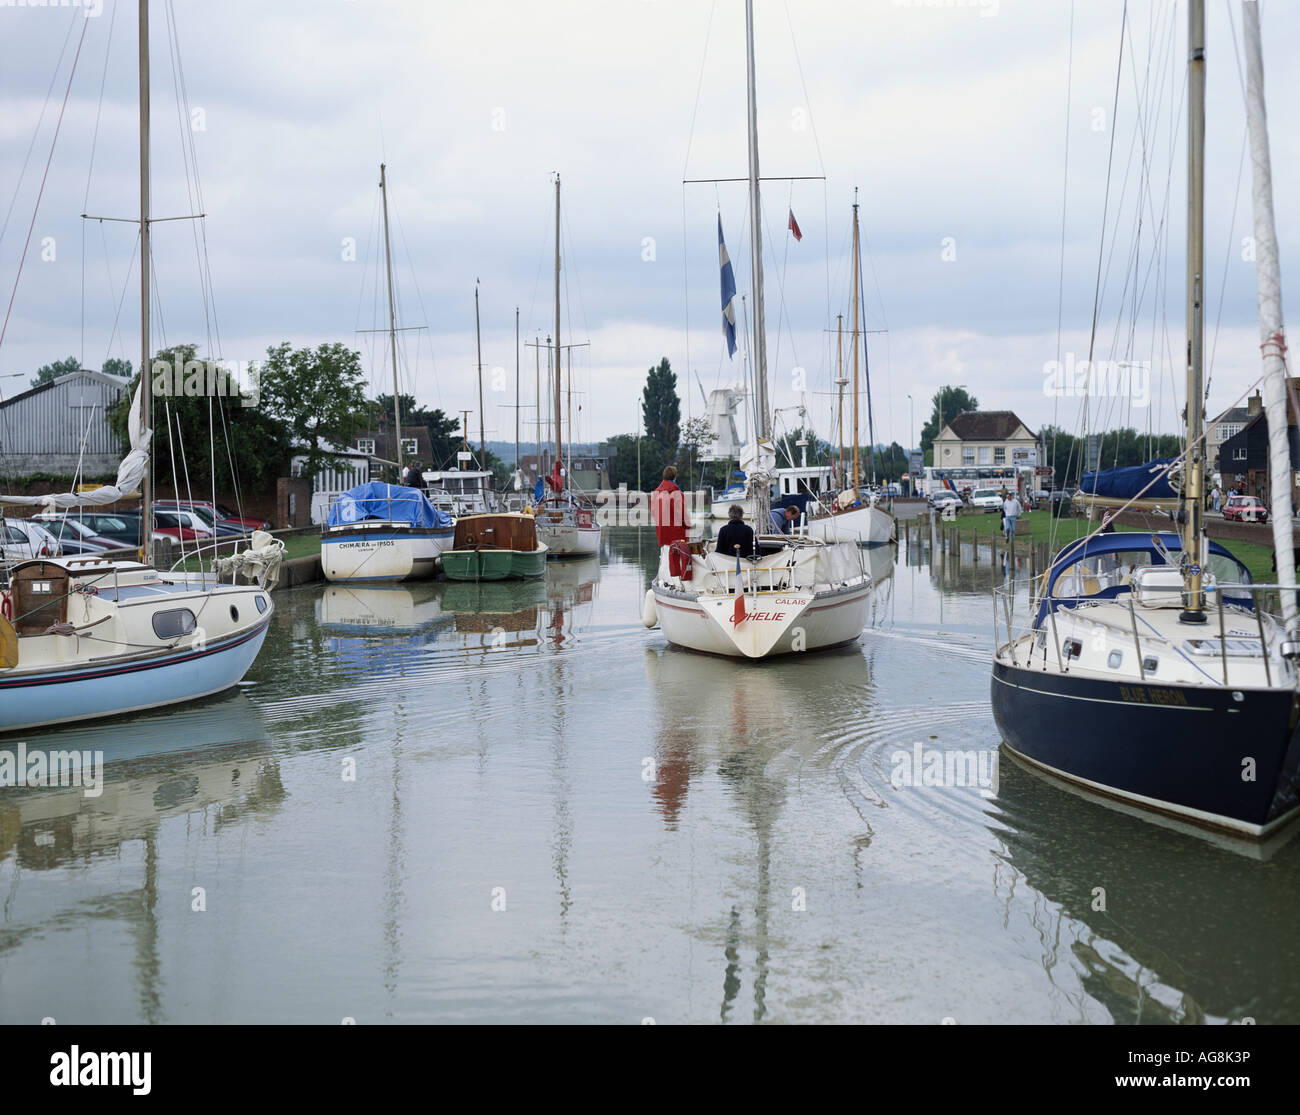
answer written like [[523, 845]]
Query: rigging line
[[699, 86], [419, 299], [31, 146], [807, 100], [126, 282], [686, 302], [41, 193], [1065, 194], [90, 168]]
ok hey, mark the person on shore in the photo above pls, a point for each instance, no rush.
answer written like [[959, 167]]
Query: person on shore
[[736, 536], [668, 509], [1012, 509], [780, 520]]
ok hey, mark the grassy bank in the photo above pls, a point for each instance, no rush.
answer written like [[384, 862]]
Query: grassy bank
[[295, 546], [1039, 526]]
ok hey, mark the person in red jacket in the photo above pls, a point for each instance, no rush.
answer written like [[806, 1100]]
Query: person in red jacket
[[668, 507]]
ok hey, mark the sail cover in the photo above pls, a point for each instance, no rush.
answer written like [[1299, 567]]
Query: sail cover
[[129, 474], [377, 500], [1126, 483]]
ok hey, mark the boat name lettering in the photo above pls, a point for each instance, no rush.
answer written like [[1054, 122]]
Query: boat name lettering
[[1152, 695], [368, 544]]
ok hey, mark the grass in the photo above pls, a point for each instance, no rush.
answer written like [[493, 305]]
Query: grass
[[1037, 526], [295, 546]]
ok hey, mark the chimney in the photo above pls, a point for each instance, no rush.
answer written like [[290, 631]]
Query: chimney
[[1254, 405]]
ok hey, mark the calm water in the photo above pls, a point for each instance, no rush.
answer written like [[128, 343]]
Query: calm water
[[555, 817]]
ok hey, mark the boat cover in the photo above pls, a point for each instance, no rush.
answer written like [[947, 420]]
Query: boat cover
[[1125, 483], [377, 500]]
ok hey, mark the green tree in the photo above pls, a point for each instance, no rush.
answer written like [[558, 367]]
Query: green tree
[[48, 373], [443, 429], [950, 402], [661, 410], [184, 429], [319, 394], [114, 366], [623, 462]]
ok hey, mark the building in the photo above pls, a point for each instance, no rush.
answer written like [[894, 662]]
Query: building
[[1244, 458], [1228, 424], [995, 438], [61, 428], [590, 471]]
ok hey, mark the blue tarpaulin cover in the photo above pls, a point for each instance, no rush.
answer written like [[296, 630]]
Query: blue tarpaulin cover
[[1125, 483], [377, 500]]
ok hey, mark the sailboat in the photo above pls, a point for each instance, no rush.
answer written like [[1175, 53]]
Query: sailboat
[[378, 531], [1148, 672], [566, 522], [83, 637], [852, 513], [797, 593]]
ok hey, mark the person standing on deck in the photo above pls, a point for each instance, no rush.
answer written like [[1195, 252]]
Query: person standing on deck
[[737, 537], [668, 508], [1012, 509]]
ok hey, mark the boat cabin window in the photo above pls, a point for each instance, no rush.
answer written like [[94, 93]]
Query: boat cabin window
[[173, 623], [1096, 573], [1073, 648], [1114, 659], [1149, 664]]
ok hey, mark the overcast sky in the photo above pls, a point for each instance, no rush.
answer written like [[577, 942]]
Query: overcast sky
[[950, 118]]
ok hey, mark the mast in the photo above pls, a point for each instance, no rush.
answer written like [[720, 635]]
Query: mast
[[478, 342], [1271, 330], [841, 383], [518, 474], [866, 362], [569, 399], [392, 319], [146, 384], [1192, 488], [756, 239], [559, 452], [537, 389], [856, 437]]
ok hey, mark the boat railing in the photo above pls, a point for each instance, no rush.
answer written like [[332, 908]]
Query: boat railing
[[1011, 625]]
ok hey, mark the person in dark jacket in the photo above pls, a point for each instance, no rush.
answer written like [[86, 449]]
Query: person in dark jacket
[[737, 537]]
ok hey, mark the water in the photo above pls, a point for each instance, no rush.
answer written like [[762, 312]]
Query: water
[[664, 835]]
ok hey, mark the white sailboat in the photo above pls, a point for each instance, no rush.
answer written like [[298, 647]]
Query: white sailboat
[[1148, 672], [566, 521], [797, 593], [84, 637]]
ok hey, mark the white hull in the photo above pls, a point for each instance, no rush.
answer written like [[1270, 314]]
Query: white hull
[[869, 526], [381, 553]]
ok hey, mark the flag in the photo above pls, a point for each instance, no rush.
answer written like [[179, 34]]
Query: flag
[[738, 612], [556, 479], [728, 293], [539, 490], [794, 226]]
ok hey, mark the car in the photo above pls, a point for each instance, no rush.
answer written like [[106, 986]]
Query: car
[[1245, 509], [25, 538], [891, 491], [175, 517], [74, 536], [219, 513], [987, 499], [946, 499], [119, 527]]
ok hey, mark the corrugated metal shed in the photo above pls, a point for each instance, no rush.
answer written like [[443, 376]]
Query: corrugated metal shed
[[47, 428]]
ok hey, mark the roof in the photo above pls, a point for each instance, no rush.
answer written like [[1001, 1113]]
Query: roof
[[386, 442], [986, 425], [1233, 414], [84, 373]]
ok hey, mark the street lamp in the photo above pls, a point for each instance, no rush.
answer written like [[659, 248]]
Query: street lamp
[[911, 425]]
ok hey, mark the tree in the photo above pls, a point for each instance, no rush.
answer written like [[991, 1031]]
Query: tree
[[661, 410], [950, 402], [48, 373], [444, 430], [697, 435], [114, 366], [319, 394], [185, 425], [623, 462]]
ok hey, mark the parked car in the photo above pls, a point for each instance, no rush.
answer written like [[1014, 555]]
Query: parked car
[[891, 491], [74, 536], [987, 499], [120, 527], [24, 538], [946, 499], [1245, 509], [219, 513]]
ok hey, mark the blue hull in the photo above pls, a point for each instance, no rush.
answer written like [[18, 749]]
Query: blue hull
[[1179, 750], [93, 691]]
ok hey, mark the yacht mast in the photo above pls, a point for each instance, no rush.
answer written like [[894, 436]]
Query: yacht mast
[[559, 452], [1192, 501], [756, 240], [841, 383], [856, 437], [146, 384], [1271, 330], [518, 398], [478, 343], [392, 320]]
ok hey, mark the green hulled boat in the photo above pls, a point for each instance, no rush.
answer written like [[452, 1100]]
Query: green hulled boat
[[494, 548]]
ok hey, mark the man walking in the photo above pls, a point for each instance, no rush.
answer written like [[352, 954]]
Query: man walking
[[1012, 509]]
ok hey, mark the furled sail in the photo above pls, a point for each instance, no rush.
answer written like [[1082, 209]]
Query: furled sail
[[129, 474]]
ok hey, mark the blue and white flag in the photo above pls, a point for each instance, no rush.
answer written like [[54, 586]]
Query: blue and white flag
[[728, 293]]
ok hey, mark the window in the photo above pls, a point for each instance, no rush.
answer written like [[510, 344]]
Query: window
[[968, 455], [1229, 429], [986, 455], [366, 445], [1114, 659], [409, 447], [173, 623], [1239, 454], [1000, 456]]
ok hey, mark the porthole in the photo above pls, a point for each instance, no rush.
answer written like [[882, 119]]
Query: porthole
[[261, 604], [1149, 664], [1114, 659], [173, 623], [1073, 648], [234, 613]]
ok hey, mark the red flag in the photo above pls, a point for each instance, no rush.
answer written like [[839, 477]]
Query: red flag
[[738, 614], [794, 226], [556, 479]]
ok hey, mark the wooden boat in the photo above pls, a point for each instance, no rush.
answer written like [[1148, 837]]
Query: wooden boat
[[495, 548]]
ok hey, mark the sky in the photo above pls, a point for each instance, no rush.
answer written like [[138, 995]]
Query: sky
[[985, 140]]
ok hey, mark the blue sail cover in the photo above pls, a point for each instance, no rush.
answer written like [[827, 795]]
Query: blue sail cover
[[388, 502], [1125, 483]]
